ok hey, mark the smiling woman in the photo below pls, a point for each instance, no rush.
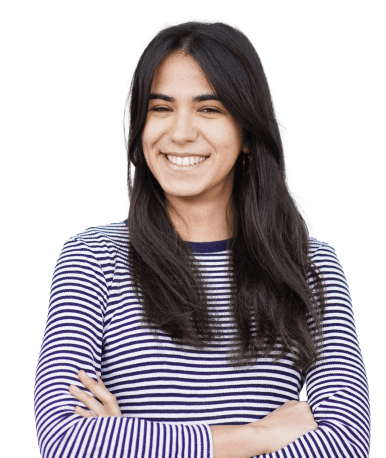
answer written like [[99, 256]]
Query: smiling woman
[[209, 307], [186, 123], [184, 70]]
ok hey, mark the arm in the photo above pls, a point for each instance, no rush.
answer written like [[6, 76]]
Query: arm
[[73, 340], [236, 441], [228, 441], [337, 387]]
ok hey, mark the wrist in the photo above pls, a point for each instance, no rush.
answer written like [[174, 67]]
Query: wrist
[[235, 441], [260, 438]]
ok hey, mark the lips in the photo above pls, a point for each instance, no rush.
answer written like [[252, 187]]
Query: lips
[[180, 168], [184, 154]]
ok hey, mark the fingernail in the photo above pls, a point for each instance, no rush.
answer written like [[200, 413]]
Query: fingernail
[[75, 388], [82, 372]]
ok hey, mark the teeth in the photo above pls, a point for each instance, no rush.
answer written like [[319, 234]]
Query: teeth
[[186, 161]]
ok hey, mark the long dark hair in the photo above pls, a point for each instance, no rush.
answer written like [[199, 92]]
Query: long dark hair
[[277, 285]]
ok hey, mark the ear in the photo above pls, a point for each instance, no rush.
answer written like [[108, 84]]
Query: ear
[[245, 149]]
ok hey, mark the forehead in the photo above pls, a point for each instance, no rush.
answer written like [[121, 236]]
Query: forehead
[[180, 73]]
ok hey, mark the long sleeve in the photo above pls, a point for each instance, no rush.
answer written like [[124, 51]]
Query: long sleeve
[[337, 388], [169, 396], [73, 340]]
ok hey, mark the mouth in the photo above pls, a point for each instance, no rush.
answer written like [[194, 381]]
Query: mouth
[[184, 168]]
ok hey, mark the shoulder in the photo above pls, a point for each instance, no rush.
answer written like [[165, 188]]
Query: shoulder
[[106, 237], [113, 232], [324, 257], [320, 250]]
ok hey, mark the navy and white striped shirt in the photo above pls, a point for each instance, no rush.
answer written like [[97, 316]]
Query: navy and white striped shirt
[[169, 395]]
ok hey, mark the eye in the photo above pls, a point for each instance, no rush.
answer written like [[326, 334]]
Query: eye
[[211, 110]]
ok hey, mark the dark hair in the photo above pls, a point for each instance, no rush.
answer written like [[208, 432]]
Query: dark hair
[[276, 284]]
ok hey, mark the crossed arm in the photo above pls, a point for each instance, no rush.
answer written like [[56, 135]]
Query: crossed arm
[[277, 430]]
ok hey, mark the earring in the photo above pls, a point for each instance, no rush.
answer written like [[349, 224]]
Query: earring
[[245, 156]]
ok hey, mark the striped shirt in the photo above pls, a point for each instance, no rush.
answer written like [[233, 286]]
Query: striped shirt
[[170, 395]]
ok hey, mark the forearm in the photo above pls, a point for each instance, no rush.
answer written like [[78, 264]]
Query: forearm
[[236, 441]]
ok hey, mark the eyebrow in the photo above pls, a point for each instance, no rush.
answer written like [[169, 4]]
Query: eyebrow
[[197, 98]]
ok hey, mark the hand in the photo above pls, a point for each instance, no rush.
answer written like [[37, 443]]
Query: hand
[[109, 408], [284, 425]]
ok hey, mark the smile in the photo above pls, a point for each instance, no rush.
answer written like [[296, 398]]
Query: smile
[[183, 164]]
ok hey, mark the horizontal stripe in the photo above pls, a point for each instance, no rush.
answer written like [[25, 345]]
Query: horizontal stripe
[[170, 395]]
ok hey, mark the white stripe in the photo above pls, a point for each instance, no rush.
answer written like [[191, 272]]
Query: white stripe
[[92, 303]]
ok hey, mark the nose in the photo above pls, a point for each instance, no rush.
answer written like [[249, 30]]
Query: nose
[[183, 129]]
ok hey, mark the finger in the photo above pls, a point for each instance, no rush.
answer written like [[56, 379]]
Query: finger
[[97, 389], [87, 400], [84, 413], [109, 404], [100, 380]]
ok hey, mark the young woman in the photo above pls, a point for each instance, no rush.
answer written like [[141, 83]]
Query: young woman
[[206, 311]]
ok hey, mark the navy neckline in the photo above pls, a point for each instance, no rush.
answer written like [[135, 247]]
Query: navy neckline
[[210, 247]]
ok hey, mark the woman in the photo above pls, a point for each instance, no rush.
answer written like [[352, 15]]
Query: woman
[[206, 310]]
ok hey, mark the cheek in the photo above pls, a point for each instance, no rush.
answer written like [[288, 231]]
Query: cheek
[[146, 136], [151, 133], [225, 137]]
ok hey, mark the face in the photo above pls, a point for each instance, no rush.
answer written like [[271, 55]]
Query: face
[[182, 123]]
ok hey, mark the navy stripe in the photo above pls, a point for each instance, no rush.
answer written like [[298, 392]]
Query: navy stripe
[[169, 395]]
